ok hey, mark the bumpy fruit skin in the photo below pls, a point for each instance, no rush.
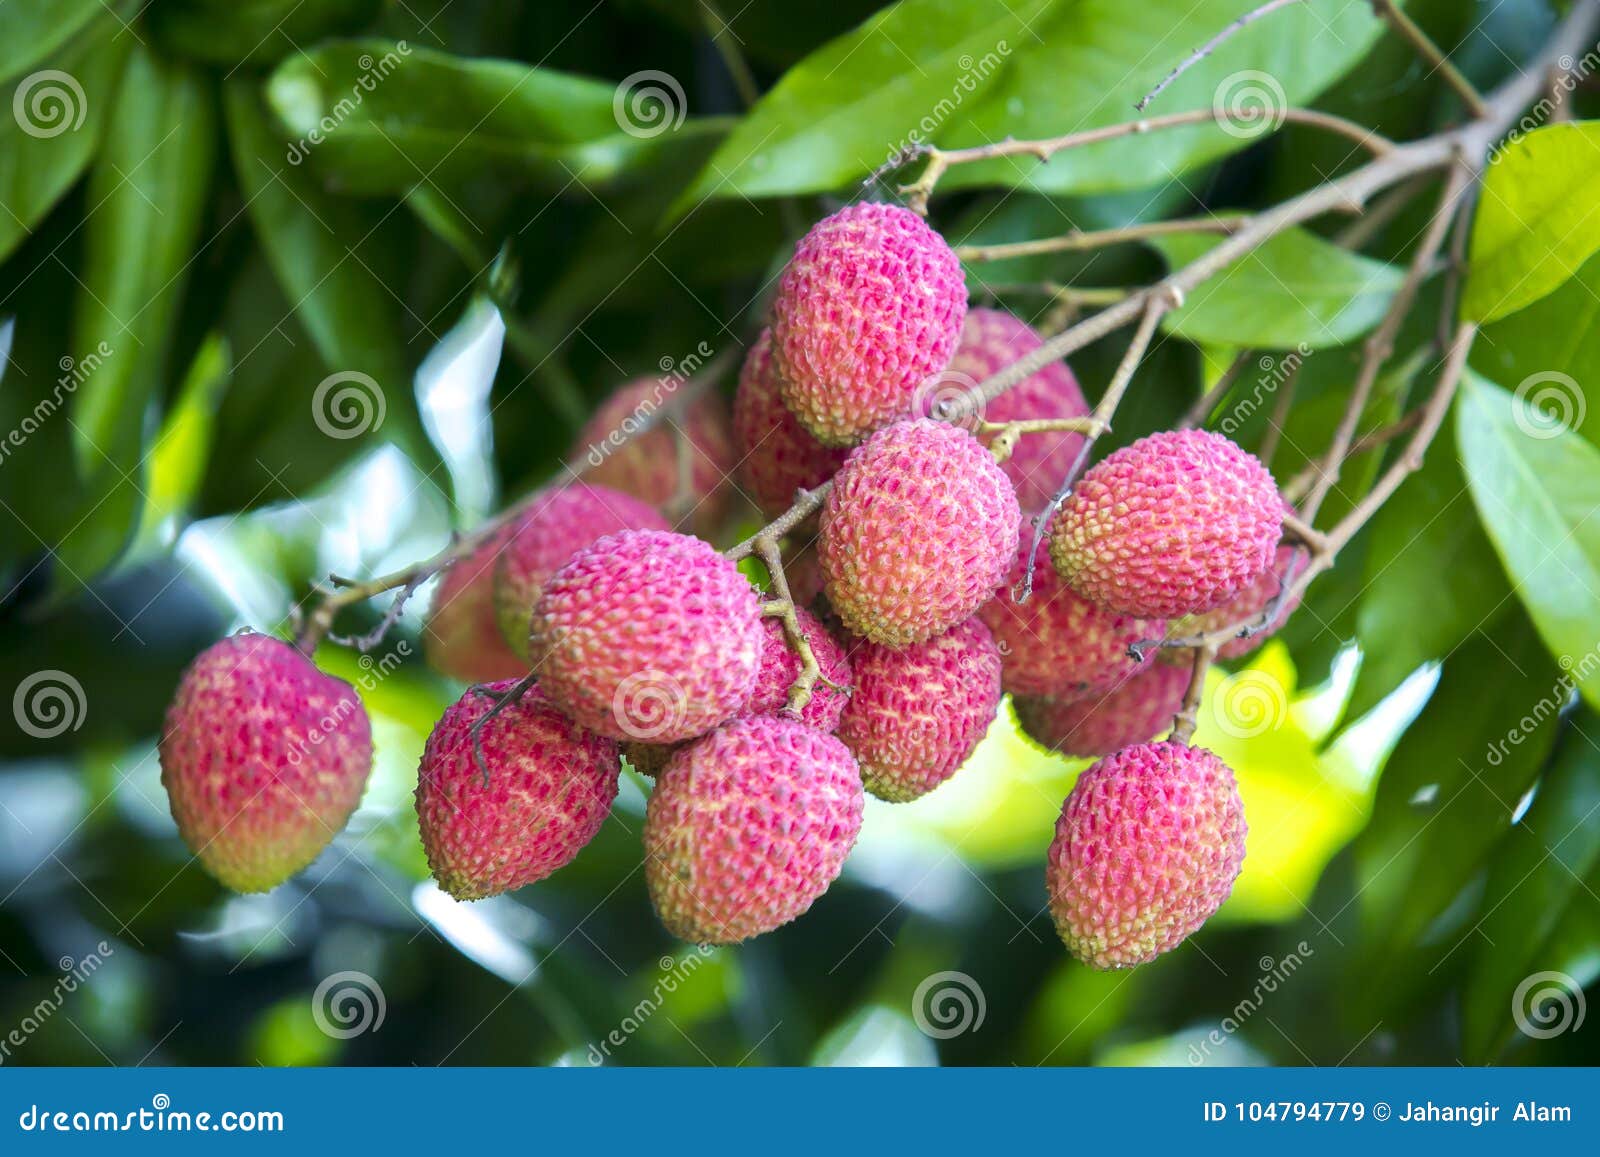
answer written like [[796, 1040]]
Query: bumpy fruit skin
[[609, 452], [780, 667], [1175, 524], [556, 523], [461, 637], [870, 305], [991, 340], [780, 456], [1136, 711], [551, 785], [1058, 643], [263, 757], [916, 713], [1147, 848], [917, 532], [648, 635], [748, 826], [1287, 565]]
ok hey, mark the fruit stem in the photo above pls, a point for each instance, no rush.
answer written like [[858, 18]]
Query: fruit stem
[[1188, 716]]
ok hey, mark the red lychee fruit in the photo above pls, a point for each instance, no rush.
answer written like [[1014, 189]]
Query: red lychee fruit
[[461, 637], [991, 340], [1135, 711], [1147, 848], [648, 635], [870, 305], [780, 457], [747, 826], [554, 524], [916, 713], [1057, 643], [780, 667], [264, 758], [630, 446], [551, 785], [1288, 564], [1175, 524], [917, 532]]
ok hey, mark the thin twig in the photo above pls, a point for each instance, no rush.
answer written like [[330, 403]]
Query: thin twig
[[1211, 46], [1080, 240], [1412, 32]]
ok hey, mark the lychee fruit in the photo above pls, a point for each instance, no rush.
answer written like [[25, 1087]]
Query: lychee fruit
[[550, 787], [1147, 848], [1175, 524], [916, 713], [1058, 643], [1288, 564], [461, 638], [780, 667], [747, 826], [264, 758], [917, 532], [678, 462], [648, 635], [870, 305], [991, 340], [555, 523], [1135, 711], [780, 457]]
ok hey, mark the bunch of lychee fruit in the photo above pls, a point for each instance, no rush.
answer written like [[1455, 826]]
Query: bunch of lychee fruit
[[595, 632]]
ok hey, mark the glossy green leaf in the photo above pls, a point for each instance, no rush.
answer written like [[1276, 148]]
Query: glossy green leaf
[[1295, 290], [1544, 882], [1538, 219], [1537, 486], [857, 101], [178, 458], [235, 32], [66, 103], [31, 30], [383, 116]]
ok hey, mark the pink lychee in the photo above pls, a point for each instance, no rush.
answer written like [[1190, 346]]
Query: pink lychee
[[1135, 711], [916, 713], [1287, 565], [648, 635], [991, 340], [748, 826], [264, 758], [551, 785], [779, 455], [461, 637], [870, 305], [917, 532], [1147, 848], [554, 524], [1175, 524]]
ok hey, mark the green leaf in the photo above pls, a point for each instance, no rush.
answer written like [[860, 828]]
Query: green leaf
[[236, 32], [1538, 219], [1295, 290], [31, 30], [178, 458], [377, 116], [854, 103], [1544, 885], [1452, 785], [1537, 486], [45, 150], [1431, 579]]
